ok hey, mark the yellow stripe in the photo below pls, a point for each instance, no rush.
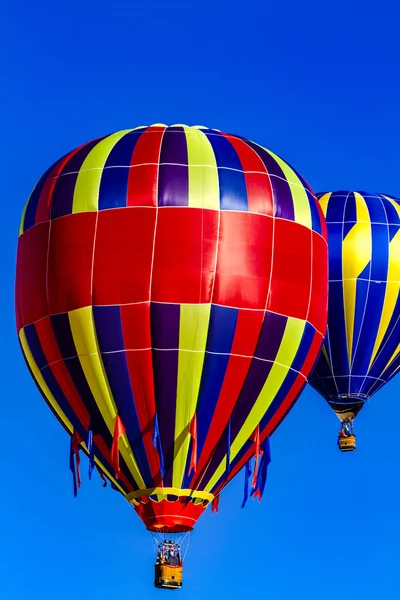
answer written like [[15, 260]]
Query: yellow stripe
[[21, 226], [41, 382], [325, 353], [84, 335], [173, 491], [301, 203], [289, 346], [86, 193], [323, 202], [193, 329], [203, 172], [357, 253], [392, 292]]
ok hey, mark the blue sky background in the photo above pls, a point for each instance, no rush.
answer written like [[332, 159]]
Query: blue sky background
[[317, 83]]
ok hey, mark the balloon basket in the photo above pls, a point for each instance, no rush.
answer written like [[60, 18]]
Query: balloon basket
[[347, 444], [168, 577]]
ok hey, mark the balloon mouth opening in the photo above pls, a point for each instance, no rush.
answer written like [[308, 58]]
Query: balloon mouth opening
[[169, 517], [167, 527], [347, 407]]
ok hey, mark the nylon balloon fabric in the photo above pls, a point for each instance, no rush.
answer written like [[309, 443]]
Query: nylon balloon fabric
[[171, 284], [361, 351]]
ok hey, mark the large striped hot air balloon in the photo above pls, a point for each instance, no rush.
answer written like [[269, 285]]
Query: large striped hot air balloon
[[361, 351], [171, 300]]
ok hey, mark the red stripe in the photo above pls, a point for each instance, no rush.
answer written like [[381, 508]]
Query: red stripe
[[312, 355], [119, 430], [123, 256], [142, 181], [215, 505], [244, 260], [70, 262], [193, 433], [135, 320], [184, 255], [75, 442], [259, 190], [256, 439], [291, 271], [58, 367]]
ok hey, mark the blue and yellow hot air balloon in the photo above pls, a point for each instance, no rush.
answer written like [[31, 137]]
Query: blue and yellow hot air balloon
[[361, 351], [171, 298]]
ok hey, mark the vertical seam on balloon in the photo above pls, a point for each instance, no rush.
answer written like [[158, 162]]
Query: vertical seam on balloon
[[197, 481], [218, 232], [311, 274], [264, 314], [267, 300], [186, 406], [47, 259], [366, 301], [145, 130], [151, 271], [387, 274], [93, 254], [265, 310], [344, 304], [328, 346], [200, 133]]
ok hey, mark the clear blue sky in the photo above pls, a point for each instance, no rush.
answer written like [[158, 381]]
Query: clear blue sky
[[317, 83]]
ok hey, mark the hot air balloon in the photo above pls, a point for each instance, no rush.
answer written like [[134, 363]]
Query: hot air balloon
[[171, 300], [361, 351]]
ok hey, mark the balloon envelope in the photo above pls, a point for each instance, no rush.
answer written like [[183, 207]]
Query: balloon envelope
[[361, 351], [171, 297]]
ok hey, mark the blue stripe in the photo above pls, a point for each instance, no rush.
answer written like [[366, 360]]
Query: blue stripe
[[335, 233], [337, 329], [376, 209], [63, 194], [316, 222], [221, 332], [165, 320], [350, 214], [282, 194], [335, 208], [389, 343], [30, 213], [232, 183], [114, 179], [35, 346]]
